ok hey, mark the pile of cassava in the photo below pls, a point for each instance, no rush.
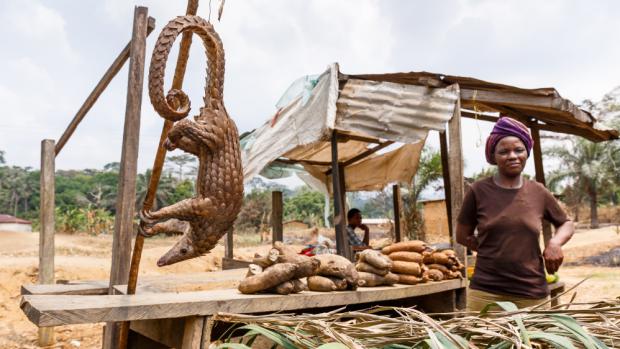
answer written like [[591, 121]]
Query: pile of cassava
[[415, 262], [374, 269], [283, 271]]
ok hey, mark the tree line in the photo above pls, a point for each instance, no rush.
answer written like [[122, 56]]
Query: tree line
[[584, 173]]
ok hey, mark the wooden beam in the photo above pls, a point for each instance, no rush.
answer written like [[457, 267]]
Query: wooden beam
[[116, 66], [507, 98], [44, 310], [455, 165], [540, 176], [363, 155], [85, 288], [46, 233], [299, 161], [445, 169], [277, 213], [125, 202], [582, 130], [342, 137], [397, 212], [338, 191], [480, 116]]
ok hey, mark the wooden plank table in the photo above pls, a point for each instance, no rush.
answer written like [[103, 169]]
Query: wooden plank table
[[147, 284], [55, 310], [182, 319]]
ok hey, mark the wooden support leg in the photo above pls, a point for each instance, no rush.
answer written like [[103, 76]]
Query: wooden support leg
[[540, 177], [455, 165], [123, 224], [276, 216], [397, 212], [207, 329], [445, 169], [342, 241], [192, 332], [228, 253], [46, 235]]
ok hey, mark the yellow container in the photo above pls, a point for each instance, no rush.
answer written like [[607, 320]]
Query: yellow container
[[470, 272]]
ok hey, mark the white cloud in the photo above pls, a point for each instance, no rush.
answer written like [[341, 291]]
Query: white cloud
[[40, 26], [59, 50]]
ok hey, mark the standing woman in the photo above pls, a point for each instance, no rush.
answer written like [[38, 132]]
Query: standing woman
[[507, 210]]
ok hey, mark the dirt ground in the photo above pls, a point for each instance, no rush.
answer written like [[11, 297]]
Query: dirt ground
[[82, 257]]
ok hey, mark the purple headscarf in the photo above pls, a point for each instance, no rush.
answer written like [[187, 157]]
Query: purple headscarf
[[505, 127]]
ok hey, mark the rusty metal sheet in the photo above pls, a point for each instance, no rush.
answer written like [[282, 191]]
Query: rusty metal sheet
[[398, 112]]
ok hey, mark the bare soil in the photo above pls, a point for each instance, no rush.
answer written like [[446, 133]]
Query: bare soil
[[84, 257]]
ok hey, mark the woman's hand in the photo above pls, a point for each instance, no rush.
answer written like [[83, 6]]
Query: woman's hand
[[553, 256]]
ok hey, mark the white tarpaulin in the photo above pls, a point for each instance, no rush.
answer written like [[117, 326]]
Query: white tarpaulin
[[381, 111]]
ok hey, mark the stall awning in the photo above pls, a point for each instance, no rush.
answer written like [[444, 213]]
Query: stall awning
[[369, 116], [543, 107]]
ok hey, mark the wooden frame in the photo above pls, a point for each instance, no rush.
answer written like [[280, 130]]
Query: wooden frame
[[125, 201], [46, 235], [135, 52]]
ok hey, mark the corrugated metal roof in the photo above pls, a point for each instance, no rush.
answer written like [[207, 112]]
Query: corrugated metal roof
[[393, 111], [543, 104]]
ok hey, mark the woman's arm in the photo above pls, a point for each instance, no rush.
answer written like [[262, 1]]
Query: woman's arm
[[465, 236], [553, 254]]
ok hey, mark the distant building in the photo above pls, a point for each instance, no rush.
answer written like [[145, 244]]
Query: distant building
[[294, 224], [10, 223], [435, 221], [378, 225]]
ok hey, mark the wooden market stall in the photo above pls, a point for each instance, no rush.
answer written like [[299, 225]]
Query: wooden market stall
[[540, 109], [359, 116]]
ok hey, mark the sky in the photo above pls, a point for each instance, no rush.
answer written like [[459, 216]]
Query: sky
[[54, 52]]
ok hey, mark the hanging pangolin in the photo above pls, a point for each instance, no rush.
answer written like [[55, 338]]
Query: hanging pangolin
[[212, 136]]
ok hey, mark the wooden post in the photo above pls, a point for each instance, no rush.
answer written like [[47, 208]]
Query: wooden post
[[445, 169], [397, 207], [540, 176], [229, 245], [276, 216], [125, 202], [192, 332], [342, 241], [46, 234], [455, 165]]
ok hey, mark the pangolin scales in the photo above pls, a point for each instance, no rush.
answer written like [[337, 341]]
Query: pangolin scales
[[212, 136]]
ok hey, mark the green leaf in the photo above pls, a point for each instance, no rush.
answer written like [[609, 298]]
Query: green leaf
[[572, 326], [509, 306], [425, 344], [277, 338], [557, 340], [434, 341], [233, 346], [332, 346], [447, 343], [502, 345], [396, 346]]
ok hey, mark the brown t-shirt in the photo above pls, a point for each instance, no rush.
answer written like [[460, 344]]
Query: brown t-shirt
[[509, 222]]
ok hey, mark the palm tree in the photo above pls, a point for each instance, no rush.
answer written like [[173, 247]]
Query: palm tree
[[591, 168], [429, 171]]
